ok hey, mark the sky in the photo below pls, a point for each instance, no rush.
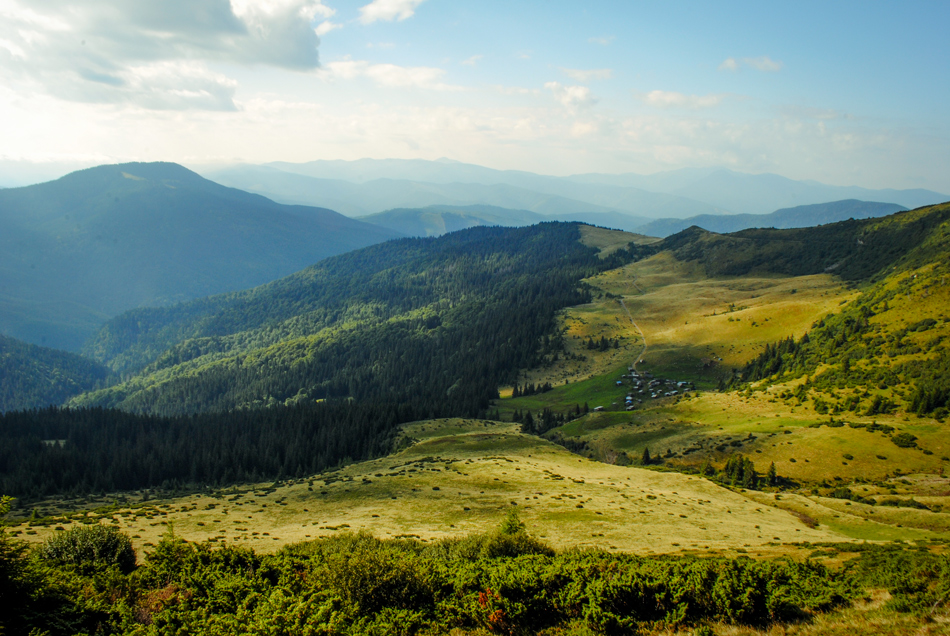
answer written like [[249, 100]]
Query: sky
[[846, 93]]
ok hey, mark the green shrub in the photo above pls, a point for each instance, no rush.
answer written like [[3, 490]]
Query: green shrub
[[90, 548], [904, 440]]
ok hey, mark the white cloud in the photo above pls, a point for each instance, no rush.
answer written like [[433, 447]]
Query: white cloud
[[389, 75], [108, 50], [763, 63], [573, 98], [326, 26], [672, 99], [603, 40], [729, 64], [579, 75], [176, 86], [388, 10], [472, 60]]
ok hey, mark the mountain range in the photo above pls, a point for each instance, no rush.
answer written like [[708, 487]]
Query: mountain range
[[88, 246], [357, 187]]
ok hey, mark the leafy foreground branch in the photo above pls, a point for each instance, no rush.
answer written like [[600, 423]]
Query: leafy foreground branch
[[503, 582]]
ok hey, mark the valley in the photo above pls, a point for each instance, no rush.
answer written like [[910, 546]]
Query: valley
[[418, 318], [696, 397]]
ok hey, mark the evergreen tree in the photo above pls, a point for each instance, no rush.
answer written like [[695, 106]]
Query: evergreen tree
[[528, 422]]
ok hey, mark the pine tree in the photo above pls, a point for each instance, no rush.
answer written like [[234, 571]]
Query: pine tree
[[528, 423], [645, 459], [772, 475]]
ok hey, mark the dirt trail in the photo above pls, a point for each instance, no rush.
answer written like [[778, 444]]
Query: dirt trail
[[634, 322]]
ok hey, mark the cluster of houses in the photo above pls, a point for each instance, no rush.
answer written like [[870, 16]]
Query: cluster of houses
[[643, 384]]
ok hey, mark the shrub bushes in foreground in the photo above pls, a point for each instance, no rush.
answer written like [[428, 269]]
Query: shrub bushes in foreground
[[504, 582]]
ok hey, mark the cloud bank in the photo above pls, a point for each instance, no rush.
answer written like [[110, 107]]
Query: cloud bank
[[150, 54]]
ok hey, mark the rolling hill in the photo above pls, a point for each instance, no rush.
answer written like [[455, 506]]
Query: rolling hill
[[79, 250], [436, 327]]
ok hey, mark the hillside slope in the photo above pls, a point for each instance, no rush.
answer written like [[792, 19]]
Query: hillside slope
[[887, 351], [83, 248], [36, 377]]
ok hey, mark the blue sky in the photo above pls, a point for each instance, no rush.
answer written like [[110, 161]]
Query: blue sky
[[849, 93]]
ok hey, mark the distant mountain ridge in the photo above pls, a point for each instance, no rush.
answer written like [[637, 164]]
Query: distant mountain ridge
[[436, 220], [624, 201], [536, 193], [83, 248], [797, 217], [688, 191], [371, 197]]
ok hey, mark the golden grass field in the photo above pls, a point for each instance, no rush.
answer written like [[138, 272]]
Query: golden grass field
[[461, 477]]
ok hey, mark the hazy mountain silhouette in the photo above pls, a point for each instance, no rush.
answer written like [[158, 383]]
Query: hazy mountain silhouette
[[83, 248], [801, 216]]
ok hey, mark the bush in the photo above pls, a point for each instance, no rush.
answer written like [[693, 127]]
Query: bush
[[904, 440], [90, 548]]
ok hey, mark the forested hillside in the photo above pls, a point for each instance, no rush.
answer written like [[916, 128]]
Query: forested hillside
[[36, 376], [416, 319]]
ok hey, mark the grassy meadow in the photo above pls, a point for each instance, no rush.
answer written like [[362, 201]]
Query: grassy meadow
[[460, 477]]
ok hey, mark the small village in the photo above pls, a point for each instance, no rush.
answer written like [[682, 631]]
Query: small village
[[645, 386]]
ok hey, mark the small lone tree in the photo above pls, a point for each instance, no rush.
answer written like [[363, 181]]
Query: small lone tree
[[645, 458]]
